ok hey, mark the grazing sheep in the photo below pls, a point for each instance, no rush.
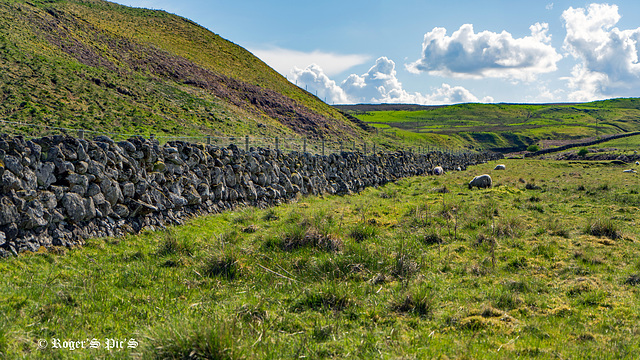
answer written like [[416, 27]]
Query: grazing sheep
[[482, 181], [438, 170], [629, 171], [637, 163], [500, 167], [459, 168]]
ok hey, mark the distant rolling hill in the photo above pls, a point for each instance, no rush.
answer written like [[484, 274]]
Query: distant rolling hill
[[500, 127], [101, 66]]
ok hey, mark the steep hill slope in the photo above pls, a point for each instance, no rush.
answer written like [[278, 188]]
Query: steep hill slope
[[106, 67]]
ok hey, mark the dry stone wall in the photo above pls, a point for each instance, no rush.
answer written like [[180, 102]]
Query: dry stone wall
[[60, 190]]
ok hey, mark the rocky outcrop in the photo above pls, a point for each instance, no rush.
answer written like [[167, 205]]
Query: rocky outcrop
[[61, 190]]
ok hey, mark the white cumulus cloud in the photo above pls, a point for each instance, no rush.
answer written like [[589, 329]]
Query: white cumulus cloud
[[317, 82], [283, 60], [467, 54], [608, 56], [378, 85]]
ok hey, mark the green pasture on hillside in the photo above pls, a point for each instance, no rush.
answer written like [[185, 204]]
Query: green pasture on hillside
[[510, 125], [544, 265]]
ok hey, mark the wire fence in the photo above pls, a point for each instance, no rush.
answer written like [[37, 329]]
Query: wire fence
[[285, 144]]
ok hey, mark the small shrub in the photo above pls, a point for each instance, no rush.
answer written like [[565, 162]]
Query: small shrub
[[583, 152], [533, 148], [603, 228]]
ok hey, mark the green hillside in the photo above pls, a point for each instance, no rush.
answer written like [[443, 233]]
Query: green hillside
[[503, 127], [106, 67]]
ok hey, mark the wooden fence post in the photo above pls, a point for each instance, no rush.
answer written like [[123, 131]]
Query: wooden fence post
[[304, 145], [246, 143]]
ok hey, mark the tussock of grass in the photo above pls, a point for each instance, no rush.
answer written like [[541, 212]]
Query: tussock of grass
[[420, 301], [509, 227], [223, 265], [328, 298], [603, 227], [170, 244], [210, 339], [362, 231], [270, 215], [432, 238]]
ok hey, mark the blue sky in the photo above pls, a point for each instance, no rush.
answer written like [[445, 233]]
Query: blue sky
[[435, 52]]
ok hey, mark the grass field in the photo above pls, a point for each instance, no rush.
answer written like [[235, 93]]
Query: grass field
[[546, 264], [500, 126]]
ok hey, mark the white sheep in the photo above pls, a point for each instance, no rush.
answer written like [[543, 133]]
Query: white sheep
[[438, 170], [500, 167], [629, 171], [481, 182]]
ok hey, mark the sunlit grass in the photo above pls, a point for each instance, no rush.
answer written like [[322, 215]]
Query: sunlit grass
[[464, 271]]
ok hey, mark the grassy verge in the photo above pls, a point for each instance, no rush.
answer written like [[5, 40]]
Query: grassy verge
[[543, 265]]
